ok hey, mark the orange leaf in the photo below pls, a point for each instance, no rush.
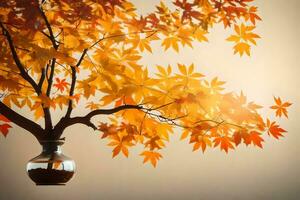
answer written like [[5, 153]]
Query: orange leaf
[[184, 135], [125, 150], [274, 129], [237, 138], [61, 85], [3, 118], [116, 150], [281, 108], [242, 48], [254, 138], [224, 143], [151, 156], [4, 129]]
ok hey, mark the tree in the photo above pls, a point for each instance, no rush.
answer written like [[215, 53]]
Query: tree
[[58, 54]]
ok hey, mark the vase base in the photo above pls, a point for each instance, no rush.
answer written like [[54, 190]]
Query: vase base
[[51, 184]]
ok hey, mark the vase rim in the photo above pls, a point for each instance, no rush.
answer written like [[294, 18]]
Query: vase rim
[[58, 142]]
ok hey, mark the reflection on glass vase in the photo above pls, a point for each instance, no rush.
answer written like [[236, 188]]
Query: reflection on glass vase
[[51, 167]]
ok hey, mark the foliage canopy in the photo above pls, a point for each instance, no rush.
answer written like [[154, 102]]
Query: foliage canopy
[[58, 54]]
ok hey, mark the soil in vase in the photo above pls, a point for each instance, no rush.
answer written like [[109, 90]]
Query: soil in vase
[[50, 176], [51, 167]]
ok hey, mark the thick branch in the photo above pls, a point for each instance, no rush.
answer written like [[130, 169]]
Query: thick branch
[[21, 121], [64, 122], [112, 111]]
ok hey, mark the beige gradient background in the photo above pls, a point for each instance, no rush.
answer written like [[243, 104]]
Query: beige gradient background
[[243, 174]]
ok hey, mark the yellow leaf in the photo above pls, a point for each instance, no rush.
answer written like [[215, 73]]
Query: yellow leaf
[[184, 134], [171, 42], [151, 156], [182, 69], [242, 48], [71, 41]]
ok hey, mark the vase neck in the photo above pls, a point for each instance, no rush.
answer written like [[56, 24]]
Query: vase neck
[[52, 146]]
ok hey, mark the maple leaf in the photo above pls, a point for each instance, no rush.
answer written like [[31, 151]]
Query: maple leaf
[[252, 15], [61, 84], [215, 84], [154, 143], [71, 41], [280, 107], [224, 143], [199, 34], [4, 128], [184, 135], [274, 129], [151, 156], [254, 138], [3, 118], [202, 142], [121, 143], [243, 36], [118, 149], [92, 105], [237, 138], [107, 130], [171, 42], [254, 106], [242, 48]]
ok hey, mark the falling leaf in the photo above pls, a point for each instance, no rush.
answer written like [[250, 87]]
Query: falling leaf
[[274, 129], [280, 107]]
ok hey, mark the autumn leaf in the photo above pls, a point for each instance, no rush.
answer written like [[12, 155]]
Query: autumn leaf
[[242, 48], [280, 107], [252, 15], [203, 142], [151, 156], [215, 84], [199, 34], [4, 128], [3, 118], [254, 138], [107, 130], [243, 37], [184, 135], [254, 106], [121, 142], [171, 42], [224, 142], [93, 105], [274, 129], [61, 84], [71, 41], [118, 149]]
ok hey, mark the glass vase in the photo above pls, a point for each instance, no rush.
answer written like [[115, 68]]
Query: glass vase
[[51, 167]]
